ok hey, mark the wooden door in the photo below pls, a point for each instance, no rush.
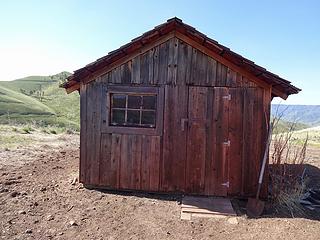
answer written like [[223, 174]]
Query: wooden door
[[207, 141]]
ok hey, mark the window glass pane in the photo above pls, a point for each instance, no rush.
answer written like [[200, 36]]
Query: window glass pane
[[133, 117], [148, 117], [134, 101], [149, 102], [118, 101], [118, 117]]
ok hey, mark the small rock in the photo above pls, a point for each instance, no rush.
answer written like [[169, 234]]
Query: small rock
[[60, 233], [73, 223], [35, 204], [14, 194], [22, 212], [24, 193], [28, 231], [2, 190], [233, 220], [168, 233], [43, 189], [74, 181], [50, 217]]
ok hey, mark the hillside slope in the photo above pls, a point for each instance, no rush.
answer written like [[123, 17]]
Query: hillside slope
[[12, 102], [38, 99]]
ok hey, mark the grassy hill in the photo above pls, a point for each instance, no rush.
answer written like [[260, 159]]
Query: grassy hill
[[39, 100], [12, 102]]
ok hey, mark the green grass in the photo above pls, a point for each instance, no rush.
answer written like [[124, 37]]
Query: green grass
[[12, 102], [20, 103]]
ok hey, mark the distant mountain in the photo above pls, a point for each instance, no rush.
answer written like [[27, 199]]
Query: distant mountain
[[306, 114], [39, 99]]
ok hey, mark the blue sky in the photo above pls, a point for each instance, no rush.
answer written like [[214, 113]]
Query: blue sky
[[46, 37]]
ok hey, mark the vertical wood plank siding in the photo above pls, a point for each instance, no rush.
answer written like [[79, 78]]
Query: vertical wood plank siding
[[193, 154]]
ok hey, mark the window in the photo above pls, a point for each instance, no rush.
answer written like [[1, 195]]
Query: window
[[134, 110]]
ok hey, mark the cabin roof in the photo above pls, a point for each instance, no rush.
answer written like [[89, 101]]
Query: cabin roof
[[280, 87]]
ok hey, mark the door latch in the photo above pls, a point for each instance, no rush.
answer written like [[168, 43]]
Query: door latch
[[227, 143], [227, 97], [226, 184], [183, 123]]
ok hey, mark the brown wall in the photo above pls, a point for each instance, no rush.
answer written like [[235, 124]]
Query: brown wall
[[195, 160]]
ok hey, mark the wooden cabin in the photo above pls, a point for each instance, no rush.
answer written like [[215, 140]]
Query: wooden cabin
[[175, 111]]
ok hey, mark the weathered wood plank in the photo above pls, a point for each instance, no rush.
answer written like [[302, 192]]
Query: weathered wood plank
[[93, 130], [174, 136], [125, 72], [253, 113], [115, 160], [154, 169], [125, 162], [196, 145], [173, 61], [236, 140], [231, 78], [135, 77], [144, 67], [116, 75], [210, 146], [83, 134], [184, 63], [105, 168], [145, 163], [136, 154], [211, 72], [219, 161], [155, 68], [163, 62]]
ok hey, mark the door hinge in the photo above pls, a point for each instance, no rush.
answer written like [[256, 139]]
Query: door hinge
[[226, 184], [227, 143], [227, 97]]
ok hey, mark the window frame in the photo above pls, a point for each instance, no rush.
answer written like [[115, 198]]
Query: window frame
[[158, 91]]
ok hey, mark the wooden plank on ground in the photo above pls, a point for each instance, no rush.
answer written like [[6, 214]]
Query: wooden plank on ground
[[206, 207]]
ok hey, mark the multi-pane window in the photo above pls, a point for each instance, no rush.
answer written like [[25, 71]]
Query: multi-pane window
[[133, 110]]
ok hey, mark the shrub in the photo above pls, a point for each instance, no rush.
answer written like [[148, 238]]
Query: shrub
[[43, 130], [287, 170], [27, 129], [52, 131]]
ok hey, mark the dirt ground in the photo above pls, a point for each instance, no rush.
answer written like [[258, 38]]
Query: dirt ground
[[39, 199]]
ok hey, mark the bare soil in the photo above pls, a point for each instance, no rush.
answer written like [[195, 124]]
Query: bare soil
[[40, 199]]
